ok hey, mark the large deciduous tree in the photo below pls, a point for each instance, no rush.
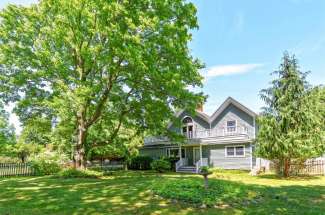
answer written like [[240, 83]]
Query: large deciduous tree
[[291, 128], [79, 61]]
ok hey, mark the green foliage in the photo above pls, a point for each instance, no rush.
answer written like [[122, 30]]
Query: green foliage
[[45, 167], [172, 161], [123, 63], [23, 150], [76, 173], [193, 192], [48, 162], [205, 170], [36, 131], [7, 159], [161, 165], [140, 163], [292, 125]]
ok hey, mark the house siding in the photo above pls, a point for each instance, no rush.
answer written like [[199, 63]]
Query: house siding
[[217, 158], [155, 152], [199, 123], [213, 144], [234, 113]]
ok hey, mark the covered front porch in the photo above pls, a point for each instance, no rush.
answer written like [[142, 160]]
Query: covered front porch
[[191, 159]]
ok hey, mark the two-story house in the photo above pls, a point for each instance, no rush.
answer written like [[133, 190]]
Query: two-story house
[[224, 139]]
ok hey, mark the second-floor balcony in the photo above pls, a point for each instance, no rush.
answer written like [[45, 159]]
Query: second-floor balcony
[[206, 133], [216, 132]]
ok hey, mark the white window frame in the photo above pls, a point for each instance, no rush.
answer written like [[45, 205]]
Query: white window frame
[[231, 126], [235, 156], [187, 128], [179, 155]]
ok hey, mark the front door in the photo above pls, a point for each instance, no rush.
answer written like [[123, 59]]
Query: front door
[[196, 155]]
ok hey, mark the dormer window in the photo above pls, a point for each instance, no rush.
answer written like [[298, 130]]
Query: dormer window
[[231, 126], [187, 128]]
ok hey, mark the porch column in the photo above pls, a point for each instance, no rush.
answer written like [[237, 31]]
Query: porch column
[[201, 154], [180, 152]]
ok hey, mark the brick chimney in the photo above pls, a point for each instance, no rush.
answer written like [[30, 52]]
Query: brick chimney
[[200, 107]]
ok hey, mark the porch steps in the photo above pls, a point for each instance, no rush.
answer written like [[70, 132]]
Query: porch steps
[[187, 169]]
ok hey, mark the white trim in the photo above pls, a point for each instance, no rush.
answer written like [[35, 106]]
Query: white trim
[[254, 124], [173, 148], [198, 113], [187, 126], [235, 156], [251, 149], [226, 127]]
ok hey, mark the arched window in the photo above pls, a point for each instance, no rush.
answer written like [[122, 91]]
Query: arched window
[[187, 127]]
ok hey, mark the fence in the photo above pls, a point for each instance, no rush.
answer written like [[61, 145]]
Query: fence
[[105, 166], [310, 167], [16, 169]]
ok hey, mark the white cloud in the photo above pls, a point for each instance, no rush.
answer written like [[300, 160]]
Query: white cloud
[[232, 69]]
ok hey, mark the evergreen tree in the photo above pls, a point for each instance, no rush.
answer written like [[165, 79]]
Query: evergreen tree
[[291, 128]]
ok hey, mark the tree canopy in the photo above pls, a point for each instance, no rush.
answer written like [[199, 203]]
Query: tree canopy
[[82, 62], [291, 127]]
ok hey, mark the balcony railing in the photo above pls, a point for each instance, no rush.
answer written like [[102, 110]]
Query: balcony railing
[[217, 132], [205, 133]]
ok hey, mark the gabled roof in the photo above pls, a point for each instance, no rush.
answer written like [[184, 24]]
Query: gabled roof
[[222, 107], [234, 102]]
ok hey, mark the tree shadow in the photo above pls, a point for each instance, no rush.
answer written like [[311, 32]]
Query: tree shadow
[[129, 193]]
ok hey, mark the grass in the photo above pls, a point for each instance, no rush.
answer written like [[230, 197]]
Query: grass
[[130, 193]]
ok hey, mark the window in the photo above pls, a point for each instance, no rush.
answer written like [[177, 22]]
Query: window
[[174, 152], [235, 151], [187, 127], [231, 126]]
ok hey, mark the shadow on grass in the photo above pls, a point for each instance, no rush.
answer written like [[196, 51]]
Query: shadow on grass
[[129, 193], [296, 178]]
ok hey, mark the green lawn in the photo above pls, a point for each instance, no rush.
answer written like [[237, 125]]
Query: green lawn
[[130, 193]]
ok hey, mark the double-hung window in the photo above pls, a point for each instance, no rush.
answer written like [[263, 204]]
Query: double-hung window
[[235, 151], [174, 152], [231, 126]]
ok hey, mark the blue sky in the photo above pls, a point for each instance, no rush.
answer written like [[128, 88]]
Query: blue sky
[[242, 42]]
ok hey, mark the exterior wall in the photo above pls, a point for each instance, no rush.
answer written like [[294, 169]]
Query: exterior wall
[[199, 123], [233, 113], [217, 158], [189, 155], [154, 152]]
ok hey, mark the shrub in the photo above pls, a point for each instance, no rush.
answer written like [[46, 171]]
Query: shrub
[[6, 159], [160, 165], [192, 191], [76, 173], [47, 163], [172, 161], [45, 167], [140, 163]]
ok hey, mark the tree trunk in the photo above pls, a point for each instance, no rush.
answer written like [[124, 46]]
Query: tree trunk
[[79, 153], [286, 171]]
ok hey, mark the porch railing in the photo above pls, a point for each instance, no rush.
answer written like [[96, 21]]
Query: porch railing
[[181, 162], [200, 163]]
